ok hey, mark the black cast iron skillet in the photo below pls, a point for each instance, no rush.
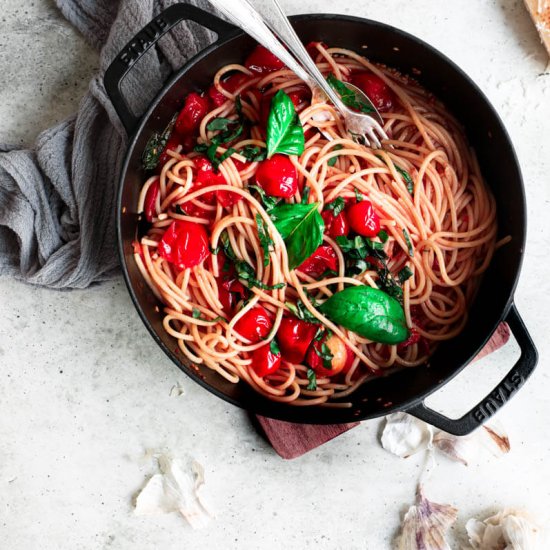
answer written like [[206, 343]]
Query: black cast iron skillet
[[403, 390]]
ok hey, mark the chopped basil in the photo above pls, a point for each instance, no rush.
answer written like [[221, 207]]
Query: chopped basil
[[407, 178], [409, 243], [216, 161], [266, 242], [155, 146], [332, 161], [246, 272], [253, 153], [220, 124], [383, 236], [349, 97], [226, 245], [311, 376], [404, 274], [274, 347], [268, 201], [301, 227], [300, 311], [196, 313], [358, 196], [325, 354], [306, 193], [285, 133], [336, 206]]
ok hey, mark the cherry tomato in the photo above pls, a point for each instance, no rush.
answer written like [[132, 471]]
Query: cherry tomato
[[206, 177], [264, 361], [323, 259], [194, 110], [184, 244], [300, 97], [294, 337], [255, 324], [335, 226], [378, 91], [150, 200], [231, 84], [363, 219], [277, 176], [262, 61], [335, 347]]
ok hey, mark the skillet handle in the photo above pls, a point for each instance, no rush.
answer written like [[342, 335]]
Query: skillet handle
[[143, 41], [488, 406]]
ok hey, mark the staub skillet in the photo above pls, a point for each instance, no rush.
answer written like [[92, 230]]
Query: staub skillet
[[402, 390]]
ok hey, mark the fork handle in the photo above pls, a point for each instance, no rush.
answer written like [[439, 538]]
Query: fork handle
[[275, 17]]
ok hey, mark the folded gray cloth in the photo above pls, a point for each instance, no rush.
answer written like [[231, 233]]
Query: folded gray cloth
[[57, 201]]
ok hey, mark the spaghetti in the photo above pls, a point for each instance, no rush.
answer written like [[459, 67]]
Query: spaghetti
[[436, 234]]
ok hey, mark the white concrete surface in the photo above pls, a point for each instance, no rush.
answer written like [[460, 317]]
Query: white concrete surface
[[84, 390]]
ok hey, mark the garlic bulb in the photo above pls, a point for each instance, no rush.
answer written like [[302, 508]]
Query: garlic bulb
[[175, 489], [425, 525], [405, 435], [507, 530]]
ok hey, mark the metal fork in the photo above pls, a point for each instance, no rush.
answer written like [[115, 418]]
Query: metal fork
[[364, 128]]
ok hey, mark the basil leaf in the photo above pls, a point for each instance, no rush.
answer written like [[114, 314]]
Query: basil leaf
[[348, 96], [266, 242], [409, 243], [284, 129], [336, 206], [369, 312], [268, 201], [332, 161], [404, 274], [301, 227], [312, 377], [253, 153]]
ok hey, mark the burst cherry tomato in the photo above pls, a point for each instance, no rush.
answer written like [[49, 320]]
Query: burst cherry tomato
[[323, 259], [206, 177], [194, 110], [277, 176], [184, 244], [265, 361], [300, 97], [262, 61], [335, 226], [294, 337], [363, 219], [231, 84], [255, 324], [151, 200], [332, 346], [377, 90]]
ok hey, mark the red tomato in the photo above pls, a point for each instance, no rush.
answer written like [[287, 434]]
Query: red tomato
[[264, 361], [255, 324], [335, 226], [336, 348], [363, 219], [231, 84], [262, 61], [277, 176], [300, 97], [184, 244], [294, 337], [377, 90], [228, 291], [150, 200], [194, 110], [206, 177], [321, 260]]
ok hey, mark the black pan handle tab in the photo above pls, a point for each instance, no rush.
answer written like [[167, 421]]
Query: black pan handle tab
[[488, 406], [145, 39]]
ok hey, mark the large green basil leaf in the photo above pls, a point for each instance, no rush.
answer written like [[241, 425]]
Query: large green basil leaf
[[301, 227], [369, 312], [284, 129]]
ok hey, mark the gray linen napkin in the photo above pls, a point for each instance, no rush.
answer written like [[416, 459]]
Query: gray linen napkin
[[57, 200]]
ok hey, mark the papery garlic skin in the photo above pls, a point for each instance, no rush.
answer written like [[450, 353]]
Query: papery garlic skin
[[507, 530], [405, 435], [425, 525]]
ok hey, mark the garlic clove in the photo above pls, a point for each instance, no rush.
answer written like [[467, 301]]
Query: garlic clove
[[425, 525], [175, 489], [405, 435], [507, 530]]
